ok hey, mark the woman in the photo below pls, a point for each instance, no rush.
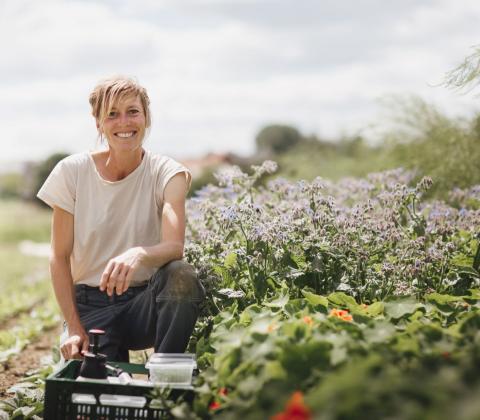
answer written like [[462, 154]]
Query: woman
[[118, 231]]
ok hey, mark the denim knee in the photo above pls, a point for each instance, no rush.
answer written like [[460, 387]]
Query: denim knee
[[178, 281]]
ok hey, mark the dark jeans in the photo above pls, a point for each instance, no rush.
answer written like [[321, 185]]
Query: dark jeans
[[160, 314]]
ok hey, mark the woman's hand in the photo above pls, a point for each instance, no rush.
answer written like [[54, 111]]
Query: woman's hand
[[75, 344], [119, 271]]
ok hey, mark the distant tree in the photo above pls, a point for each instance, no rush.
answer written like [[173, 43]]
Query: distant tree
[[277, 139], [41, 172]]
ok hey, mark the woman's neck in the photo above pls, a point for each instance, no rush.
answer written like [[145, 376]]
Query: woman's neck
[[117, 166]]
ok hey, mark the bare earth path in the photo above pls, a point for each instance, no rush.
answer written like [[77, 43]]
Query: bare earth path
[[29, 358]]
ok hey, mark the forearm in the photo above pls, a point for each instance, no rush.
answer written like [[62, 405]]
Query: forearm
[[161, 254], [62, 282]]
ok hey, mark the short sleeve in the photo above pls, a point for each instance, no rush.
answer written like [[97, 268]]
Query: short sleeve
[[167, 170], [59, 189]]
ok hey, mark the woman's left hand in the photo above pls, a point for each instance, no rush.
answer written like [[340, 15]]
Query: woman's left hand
[[119, 271]]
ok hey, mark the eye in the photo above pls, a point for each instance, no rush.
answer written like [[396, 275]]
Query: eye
[[112, 114], [133, 111]]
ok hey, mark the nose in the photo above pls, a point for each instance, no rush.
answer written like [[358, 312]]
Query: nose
[[123, 118]]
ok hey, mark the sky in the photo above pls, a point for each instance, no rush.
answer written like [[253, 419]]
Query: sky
[[217, 71]]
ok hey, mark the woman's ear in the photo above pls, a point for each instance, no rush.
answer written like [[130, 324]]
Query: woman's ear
[[98, 127]]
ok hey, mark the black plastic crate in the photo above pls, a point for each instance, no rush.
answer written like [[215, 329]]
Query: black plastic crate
[[61, 385]]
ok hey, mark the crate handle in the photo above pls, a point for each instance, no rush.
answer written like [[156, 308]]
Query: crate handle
[[88, 399], [123, 400]]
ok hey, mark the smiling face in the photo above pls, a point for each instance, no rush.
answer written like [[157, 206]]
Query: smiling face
[[124, 124]]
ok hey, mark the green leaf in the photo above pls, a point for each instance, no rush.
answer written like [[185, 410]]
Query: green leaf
[[230, 235], [381, 332], [245, 318], [402, 307], [295, 305], [279, 302], [474, 294], [471, 321], [406, 344], [250, 386], [341, 299], [338, 355], [468, 270], [231, 260], [462, 260], [224, 274], [315, 300], [375, 309], [274, 370], [299, 260], [443, 299]]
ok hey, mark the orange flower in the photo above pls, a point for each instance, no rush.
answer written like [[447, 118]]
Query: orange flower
[[308, 320], [341, 314], [272, 327], [295, 409], [214, 405], [223, 391]]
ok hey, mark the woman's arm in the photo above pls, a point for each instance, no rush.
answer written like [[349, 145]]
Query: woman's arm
[[62, 245], [120, 270]]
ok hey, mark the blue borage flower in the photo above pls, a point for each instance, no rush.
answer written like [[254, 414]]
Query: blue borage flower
[[375, 235]]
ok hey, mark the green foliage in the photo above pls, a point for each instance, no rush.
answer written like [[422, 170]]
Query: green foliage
[[28, 398], [411, 359], [467, 74], [446, 149], [42, 171]]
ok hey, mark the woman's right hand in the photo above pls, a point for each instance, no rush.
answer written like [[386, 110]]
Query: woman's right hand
[[75, 344]]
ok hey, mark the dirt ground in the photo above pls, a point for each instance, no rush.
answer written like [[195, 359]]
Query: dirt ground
[[28, 359]]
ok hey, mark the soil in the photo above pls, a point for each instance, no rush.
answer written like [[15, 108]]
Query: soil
[[28, 359]]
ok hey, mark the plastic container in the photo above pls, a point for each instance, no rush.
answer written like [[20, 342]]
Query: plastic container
[[171, 368], [95, 399]]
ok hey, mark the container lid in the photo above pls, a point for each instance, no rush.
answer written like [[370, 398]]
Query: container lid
[[177, 363], [179, 356], [161, 358]]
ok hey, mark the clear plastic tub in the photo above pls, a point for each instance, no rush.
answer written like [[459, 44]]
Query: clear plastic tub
[[171, 368]]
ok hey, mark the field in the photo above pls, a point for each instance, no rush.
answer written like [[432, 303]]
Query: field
[[27, 308], [351, 299]]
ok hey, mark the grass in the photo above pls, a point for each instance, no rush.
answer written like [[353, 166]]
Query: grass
[[26, 301], [19, 270], [23, 278], [23, 221], [301, 163]]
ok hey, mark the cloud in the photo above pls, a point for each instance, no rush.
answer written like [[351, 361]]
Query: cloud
[[217, 70]]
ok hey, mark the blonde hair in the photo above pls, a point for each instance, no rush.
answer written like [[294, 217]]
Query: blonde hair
[[109, 91]]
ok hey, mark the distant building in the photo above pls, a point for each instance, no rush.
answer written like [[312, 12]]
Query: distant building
[[212, 160]]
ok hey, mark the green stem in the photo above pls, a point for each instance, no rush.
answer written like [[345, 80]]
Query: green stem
[[476, 260], [250, 274]]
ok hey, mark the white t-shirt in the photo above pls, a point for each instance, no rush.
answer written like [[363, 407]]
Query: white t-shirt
[[110, 217]]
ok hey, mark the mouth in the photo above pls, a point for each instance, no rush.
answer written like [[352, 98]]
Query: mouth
[[126, 134]]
